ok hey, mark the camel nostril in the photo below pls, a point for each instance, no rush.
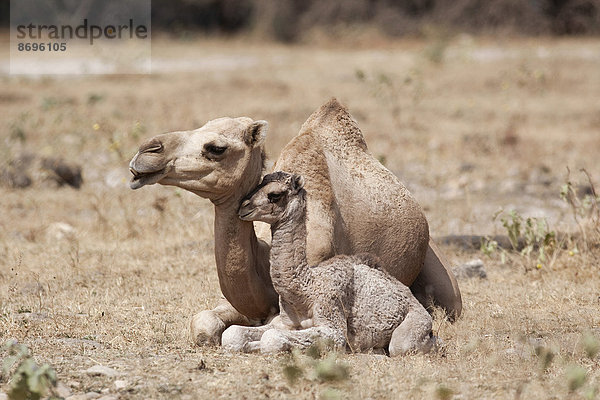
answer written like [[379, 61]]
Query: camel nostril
[[154, 148], [133, 172]]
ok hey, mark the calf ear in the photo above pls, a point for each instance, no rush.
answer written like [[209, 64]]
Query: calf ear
[[256, 133], [297, 182]]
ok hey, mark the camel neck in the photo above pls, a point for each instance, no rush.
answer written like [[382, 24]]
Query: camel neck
[[290, 272], [242, 265]]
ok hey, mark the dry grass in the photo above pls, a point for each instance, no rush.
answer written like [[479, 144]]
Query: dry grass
[[491, 125]]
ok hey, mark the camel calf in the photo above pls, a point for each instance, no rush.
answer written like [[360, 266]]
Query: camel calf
[[348, 300]]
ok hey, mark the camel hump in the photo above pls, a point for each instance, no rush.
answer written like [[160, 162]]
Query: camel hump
[[334, 126]]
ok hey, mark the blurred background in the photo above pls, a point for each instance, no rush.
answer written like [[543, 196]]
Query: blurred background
[[293, 20], [468, 101]]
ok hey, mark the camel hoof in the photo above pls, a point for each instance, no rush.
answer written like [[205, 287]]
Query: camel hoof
[[428, 344], [206, 329]]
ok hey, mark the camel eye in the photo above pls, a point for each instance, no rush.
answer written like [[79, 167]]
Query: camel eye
[[275, 197], [215, 150]]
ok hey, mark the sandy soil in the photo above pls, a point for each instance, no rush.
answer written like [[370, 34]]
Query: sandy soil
[[471, 128]]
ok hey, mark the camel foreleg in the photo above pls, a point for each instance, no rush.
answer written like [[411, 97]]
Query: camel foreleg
[[207, 326]]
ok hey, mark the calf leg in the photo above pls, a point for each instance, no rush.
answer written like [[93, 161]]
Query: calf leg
[[243, 338], [413, 334], [276, 340], [247, 338]]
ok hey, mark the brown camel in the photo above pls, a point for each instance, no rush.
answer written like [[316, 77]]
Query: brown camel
[[356, 205]]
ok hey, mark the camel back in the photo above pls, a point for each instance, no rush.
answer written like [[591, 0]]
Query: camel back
[[355, 204]]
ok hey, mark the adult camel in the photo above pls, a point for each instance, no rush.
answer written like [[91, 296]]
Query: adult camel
[[354, 205]]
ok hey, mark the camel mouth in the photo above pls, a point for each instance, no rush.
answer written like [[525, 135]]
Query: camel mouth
[[245, 216], [140, 179]]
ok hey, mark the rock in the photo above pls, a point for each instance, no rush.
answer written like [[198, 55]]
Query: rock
[[471, 269], [77, 397], [109, 397], [97, 370], [74, 342], [137, 388], [59, 231], [62, 390], [87, 396], [27, 168], [121, 384], [32, 316], [16, 179], [63, 173], [16, 173], [466, 167], [74, 384]]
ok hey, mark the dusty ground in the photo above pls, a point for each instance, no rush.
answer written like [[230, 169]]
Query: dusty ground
[[488, 125]]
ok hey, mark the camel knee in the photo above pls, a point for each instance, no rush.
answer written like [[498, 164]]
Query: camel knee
[[413, 335], [274, 341], [206, 328]]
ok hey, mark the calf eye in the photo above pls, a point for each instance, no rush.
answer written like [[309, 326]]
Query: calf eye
[[215, 150], [274, 197]]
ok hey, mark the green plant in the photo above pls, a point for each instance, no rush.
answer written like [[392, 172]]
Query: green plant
[[439, 41], [94, 98], [317, 363], [576, 376], [525, 236], [331, 369], [442, 392], [585, 209], [591, 393], [488, 247], [546, 356], [591, 345], [29, 380]]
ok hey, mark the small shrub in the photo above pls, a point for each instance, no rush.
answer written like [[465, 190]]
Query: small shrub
[[317, 363], [439, 40], [525, 235], [292, 372], [330, 370], [584, 209], [576, 376], [591, 345], [546, 356], [442, 392], [29, 381]]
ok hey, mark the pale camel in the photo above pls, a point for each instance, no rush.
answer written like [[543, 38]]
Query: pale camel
[[356, 203], [346, 300]]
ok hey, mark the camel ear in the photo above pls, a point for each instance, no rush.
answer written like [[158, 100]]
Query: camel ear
[[256, 133], [297, 182]]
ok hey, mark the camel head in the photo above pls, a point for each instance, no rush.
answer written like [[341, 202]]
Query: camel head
[[279, 196], [222, 159]]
